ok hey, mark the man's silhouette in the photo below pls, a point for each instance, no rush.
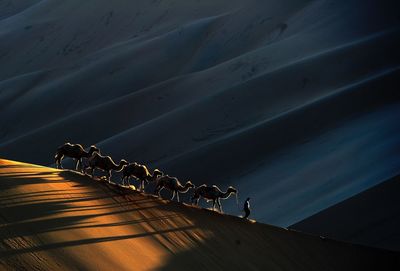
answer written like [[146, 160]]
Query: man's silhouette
[[246, 208]]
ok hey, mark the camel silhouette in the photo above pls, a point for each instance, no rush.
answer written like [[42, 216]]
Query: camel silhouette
[[212, 193], [75, 151], [172, 184], [140, 173], [104, 163]]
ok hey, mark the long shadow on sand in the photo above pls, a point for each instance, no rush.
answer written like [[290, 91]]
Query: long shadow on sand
[[195, 238], [79, 210]]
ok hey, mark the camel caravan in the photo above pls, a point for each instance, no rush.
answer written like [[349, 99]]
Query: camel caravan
[[88, 161]]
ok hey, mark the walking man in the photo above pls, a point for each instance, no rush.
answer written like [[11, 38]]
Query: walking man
[[246, 208]]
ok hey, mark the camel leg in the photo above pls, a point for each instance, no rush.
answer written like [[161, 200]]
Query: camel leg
[[82, 166], [157, 190], [177, 196], [55, 160], [213, 206], [219, 205], [60, 162], [109, 176], [76, 164], [173, 195], [123, 180], [92, 171], [195, 200], [144, 184], [58, 158]]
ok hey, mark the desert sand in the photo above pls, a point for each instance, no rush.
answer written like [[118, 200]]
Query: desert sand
[[58, 219], [294, 102], [370, 218]]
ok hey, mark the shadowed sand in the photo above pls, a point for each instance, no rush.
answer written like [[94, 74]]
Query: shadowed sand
[[53, 219], [370, 218]]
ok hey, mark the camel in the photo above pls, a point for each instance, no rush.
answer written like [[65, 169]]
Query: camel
[[104, 163], [172, 184], [140, 173], [212, 193], [75, 151]]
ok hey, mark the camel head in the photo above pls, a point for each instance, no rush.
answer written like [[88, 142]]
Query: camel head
[[123, 162], [124, 165], [93, 149], [157, 173], [231, 189], [189, 184]]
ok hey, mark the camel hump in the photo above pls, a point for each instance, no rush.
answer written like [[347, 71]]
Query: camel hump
[[215, 188], [201, 187], [175, 179]]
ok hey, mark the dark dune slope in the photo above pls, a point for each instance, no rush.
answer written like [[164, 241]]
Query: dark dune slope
[[371, 218]]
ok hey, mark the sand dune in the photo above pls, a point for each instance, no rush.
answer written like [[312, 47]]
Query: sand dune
[[52, 220], [284, 99], [369, 218]]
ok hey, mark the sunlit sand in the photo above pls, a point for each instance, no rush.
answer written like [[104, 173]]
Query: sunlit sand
[[55, 219]]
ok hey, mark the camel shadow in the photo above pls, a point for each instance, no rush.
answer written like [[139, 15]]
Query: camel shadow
[[82, 205]]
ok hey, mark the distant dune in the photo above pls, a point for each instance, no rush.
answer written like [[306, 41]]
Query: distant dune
[[294, 102], [370, 218], [52, 220]]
